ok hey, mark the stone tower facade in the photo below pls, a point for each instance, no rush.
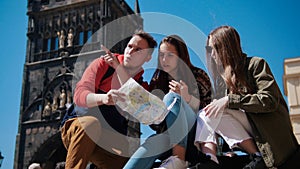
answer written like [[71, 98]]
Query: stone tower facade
[[63, 37], [291, 84]]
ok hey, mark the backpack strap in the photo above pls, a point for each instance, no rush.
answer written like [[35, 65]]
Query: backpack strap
[[108, 73]]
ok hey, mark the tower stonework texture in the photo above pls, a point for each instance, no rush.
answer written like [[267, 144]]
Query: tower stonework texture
[[291, 84], [63, 37]]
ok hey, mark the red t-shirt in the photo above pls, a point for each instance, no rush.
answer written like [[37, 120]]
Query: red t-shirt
[[91, 80]]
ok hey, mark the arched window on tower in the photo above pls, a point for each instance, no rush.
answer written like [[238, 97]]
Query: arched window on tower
[[81, 38], [56, 43], [89, 35], [47, 45]]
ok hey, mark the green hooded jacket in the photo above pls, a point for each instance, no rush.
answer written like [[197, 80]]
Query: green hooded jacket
[[267, 112]]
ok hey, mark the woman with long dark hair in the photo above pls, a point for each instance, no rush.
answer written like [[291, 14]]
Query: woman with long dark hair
[[248, 104], [184, 89]]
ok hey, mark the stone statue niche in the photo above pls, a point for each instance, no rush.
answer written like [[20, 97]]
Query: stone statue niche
[[69, 99], [54, 103], [63, 99], [61, 37], [47, 112], [70, 38]]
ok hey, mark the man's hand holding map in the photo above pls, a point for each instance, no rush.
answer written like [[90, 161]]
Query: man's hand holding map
[[141, 104]]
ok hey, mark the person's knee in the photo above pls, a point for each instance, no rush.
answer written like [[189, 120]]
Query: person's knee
[[89, 122], [173, 101], [91, 125], [171, 96]]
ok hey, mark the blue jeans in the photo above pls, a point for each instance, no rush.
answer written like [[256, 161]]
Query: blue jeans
[[179, 121]]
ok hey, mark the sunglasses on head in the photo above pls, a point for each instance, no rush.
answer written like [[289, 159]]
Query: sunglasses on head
[[208, 49]]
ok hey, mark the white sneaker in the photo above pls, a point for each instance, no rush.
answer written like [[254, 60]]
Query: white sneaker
[[173, 162]]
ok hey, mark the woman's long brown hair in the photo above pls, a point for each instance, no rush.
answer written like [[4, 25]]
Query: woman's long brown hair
[[226, 41]]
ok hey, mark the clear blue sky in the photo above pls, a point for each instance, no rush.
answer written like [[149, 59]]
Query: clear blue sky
[[269, 29]]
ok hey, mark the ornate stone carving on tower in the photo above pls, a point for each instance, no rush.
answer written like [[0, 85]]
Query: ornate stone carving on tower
[[49, 71], [61, 38], [70, 38]]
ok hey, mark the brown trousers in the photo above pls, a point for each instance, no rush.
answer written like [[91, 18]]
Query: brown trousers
[[80, 136]]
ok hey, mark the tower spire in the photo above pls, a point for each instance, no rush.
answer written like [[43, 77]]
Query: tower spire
[[137, 7]]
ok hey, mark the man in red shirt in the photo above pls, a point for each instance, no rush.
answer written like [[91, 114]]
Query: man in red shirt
[[99, 136]]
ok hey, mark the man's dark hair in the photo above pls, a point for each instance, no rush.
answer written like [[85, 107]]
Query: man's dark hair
[[150, 40]]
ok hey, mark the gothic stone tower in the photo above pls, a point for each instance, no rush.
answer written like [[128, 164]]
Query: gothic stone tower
[[58, 31]]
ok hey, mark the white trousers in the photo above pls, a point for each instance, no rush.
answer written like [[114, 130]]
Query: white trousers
[[232, 125]]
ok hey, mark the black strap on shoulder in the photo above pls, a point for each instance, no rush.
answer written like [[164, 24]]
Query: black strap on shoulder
[[108, 73], [111, 70]]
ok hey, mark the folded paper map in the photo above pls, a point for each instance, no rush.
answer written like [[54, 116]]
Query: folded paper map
[[141, 104]]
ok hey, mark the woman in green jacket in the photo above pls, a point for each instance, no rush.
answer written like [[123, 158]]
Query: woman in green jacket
[[245, 87]]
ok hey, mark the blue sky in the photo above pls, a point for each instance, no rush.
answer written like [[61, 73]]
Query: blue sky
[[269, 29]]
